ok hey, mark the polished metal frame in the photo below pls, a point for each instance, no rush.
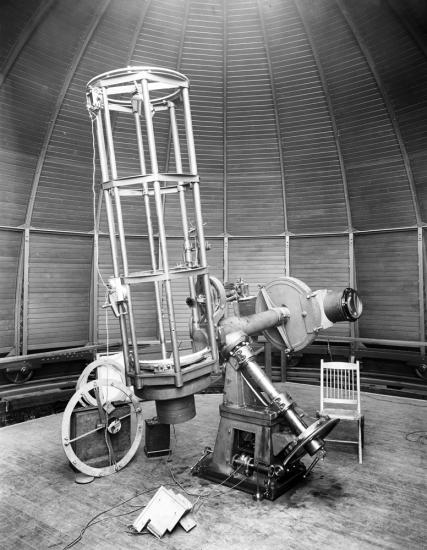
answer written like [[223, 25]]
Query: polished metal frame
[[142, 92]]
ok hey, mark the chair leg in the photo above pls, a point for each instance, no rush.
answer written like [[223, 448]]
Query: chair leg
[[360, 442]]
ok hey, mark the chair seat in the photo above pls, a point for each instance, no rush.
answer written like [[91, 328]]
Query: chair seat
[[345, 414]]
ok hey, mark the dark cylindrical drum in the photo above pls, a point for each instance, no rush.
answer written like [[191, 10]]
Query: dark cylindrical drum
[[176, 411]]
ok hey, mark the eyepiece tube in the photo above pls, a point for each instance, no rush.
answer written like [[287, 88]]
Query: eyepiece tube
[[342, 306]]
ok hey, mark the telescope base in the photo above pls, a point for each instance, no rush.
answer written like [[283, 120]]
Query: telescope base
[[248, 453], [259, 485]]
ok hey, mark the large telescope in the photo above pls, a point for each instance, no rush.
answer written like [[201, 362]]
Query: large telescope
[[262, 436], [142, 120]]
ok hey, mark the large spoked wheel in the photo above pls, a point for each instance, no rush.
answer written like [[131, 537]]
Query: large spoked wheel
[[117, 374], [108, 424]]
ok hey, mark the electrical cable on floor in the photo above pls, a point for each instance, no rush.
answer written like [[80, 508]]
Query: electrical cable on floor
[[212, 493], [419, 436], [92, 521], [199, 497]]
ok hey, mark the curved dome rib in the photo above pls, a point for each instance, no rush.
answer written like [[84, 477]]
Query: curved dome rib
[[32, 23], [334, 127], [276, 118], [388, 105]]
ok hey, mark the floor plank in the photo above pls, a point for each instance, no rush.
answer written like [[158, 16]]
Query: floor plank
[[343, 505]]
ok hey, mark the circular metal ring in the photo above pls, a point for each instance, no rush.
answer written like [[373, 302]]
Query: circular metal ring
[[319, 429], [86, 398], [66, 426], [351, 304], [300, 329], [167, 83], [218, 297]]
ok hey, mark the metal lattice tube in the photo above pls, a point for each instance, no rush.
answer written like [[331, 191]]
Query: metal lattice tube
[[150, 231], [143, 93]]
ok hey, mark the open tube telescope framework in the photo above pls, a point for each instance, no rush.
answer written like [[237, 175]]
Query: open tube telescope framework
[[142, 93]]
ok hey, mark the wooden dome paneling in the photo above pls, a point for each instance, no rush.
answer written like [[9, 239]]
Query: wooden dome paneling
[[310, 122]]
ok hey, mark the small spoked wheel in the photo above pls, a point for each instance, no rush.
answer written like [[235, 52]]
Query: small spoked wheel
[[24, 374], [102, 429]]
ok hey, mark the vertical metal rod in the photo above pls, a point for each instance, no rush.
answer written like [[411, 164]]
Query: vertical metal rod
[[421, 298], [104, 176], [345, 396], [347, 385], [226, 269], [19, 299], [93, 328], [162, 233], [358, 389], [339, 383], [199, 221], [103, 160], [321, 386], [328, 383], [354, 327], [113, 168], [287, 256], [25, 290], [184, 217], [334, 383], [354, 383], [224, 139], [178, 165], [157, 291]]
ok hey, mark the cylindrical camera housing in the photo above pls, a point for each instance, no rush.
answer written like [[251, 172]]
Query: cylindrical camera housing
[[342, 306]]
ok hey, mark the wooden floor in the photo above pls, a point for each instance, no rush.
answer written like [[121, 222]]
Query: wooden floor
[[343, 505]]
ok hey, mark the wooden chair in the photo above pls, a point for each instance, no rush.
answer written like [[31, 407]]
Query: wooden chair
[[340, 397]]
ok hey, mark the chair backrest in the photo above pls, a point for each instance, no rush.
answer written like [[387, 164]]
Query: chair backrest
[[339, 385]]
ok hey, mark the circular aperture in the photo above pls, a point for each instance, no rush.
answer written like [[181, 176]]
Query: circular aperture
[[351, 304]]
